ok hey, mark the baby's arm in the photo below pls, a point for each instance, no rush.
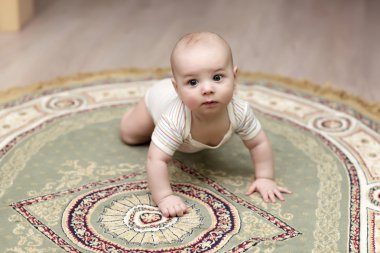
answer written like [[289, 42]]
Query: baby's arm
[[159, 185], [261, 155]]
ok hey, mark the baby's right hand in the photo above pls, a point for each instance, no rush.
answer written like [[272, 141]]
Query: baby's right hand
[[172, 206]]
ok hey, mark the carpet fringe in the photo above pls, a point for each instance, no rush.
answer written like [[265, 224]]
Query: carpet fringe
[[370, 109], [10, 94], [327, 91]]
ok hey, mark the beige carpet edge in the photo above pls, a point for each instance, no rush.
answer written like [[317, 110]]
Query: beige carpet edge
[[367, 108]]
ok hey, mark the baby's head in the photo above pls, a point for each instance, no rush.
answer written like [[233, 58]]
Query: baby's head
[[196, 52], [203, 72]]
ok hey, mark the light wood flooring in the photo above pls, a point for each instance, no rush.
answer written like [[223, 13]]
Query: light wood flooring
[[324, 41]]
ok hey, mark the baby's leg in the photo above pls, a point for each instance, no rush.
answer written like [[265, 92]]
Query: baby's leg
[[136, 126]]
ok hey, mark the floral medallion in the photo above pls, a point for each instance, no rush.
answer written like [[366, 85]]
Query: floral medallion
[[64, 102], [123, 218], [332, 123]]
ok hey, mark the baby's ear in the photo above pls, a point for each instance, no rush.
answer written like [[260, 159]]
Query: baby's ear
[[175, 85], [235, 71], [235, 76]]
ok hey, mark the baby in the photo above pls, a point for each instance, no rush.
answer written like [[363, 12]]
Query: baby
[[196, 110]]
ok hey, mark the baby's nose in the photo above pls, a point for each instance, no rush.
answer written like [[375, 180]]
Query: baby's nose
[[207, 88]]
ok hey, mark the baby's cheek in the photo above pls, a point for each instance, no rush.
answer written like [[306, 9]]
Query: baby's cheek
[[191, 103], [227, 97]]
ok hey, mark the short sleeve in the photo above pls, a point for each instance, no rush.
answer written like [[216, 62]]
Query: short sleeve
[[247, 125], [169, 131]]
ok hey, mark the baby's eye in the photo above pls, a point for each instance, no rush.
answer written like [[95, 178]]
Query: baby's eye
[[192, 82], [217, 78]]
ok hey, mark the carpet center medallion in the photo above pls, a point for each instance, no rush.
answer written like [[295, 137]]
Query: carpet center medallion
[[132, 217]]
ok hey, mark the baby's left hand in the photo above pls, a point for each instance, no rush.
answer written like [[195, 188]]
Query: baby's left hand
[[268, 189]]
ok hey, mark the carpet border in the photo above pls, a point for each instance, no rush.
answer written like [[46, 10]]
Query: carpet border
[[370, 109]]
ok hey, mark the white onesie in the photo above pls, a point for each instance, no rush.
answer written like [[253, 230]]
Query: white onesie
[[173, 120]]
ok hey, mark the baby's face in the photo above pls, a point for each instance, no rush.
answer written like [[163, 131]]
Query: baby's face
[[204, 77]]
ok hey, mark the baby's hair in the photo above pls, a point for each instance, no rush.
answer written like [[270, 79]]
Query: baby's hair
[[195, 38]]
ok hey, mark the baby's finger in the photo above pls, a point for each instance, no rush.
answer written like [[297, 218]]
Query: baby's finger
[[172, 211], [179, 211], [251, 189], [272, 197], [184, 208], [282, 189], [165, 212], [265, 197], [278, 194]]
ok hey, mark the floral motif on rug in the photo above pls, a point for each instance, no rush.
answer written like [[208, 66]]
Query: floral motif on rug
[[118, 215], [68, 184]]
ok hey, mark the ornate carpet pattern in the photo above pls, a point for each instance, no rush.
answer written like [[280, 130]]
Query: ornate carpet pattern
[[68, 184]]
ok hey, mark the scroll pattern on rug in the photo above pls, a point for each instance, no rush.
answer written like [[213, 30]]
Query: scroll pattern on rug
[[25, 129]]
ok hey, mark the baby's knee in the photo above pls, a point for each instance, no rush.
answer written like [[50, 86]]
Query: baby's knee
[[125, 134], [136, 125], [129, 135], [131, 139], [127, 138]]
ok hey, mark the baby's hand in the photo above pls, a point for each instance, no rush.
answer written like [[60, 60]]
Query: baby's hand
[[172, 206], [268, 189]]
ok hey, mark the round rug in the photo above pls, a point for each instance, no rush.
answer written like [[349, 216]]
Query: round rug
[[68, 184]]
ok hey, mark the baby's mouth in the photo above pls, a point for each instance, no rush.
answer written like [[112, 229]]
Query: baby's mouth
[[208, 103]]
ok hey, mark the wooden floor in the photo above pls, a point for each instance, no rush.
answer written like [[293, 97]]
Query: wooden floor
[[335, 41]]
